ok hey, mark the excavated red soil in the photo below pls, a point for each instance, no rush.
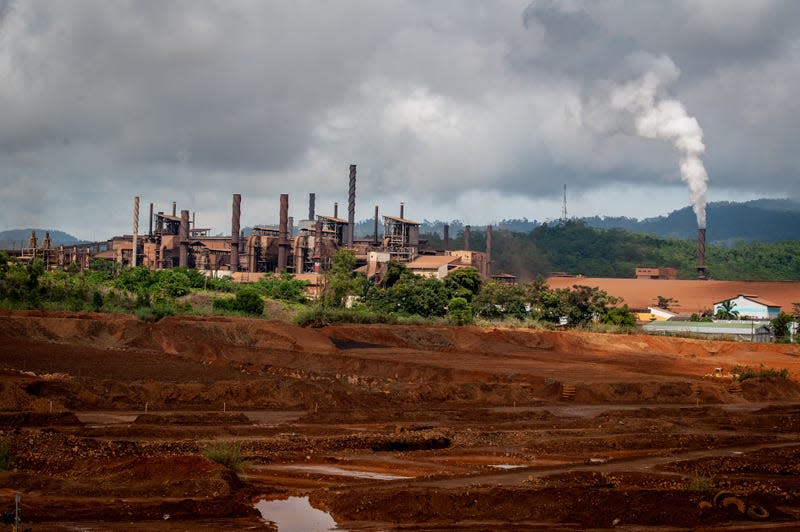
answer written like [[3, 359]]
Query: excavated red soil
[[389, 427]]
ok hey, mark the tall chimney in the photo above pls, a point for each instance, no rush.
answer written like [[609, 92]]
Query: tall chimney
[[335, 209], [375, 228], [488, 250], [701, 254], [135, 230], [235, 220], [446, 237], [402, 209], [467, 238], [194, 224], [283, 239], [317, 247], [150, 234], [312, 199], [183, 260], [290, 228], [351, 207], [174, 208]]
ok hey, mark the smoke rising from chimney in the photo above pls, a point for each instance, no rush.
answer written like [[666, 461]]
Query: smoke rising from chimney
[[657, 116]]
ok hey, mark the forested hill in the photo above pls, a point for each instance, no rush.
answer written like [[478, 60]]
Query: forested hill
[[759, 220], [764, 220], [17, 238], [576, 248]]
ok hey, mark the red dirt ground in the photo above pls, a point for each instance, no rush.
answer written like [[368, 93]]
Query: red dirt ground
[[106, 418]]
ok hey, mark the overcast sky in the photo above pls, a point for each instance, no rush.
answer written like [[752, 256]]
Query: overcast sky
[[463, 109]]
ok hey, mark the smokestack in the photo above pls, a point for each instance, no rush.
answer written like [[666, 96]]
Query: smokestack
[[184, 240], [446, 237], [135, 230], [468, 238], [150, 234], [283, 239], [317, 247], [375, 227], [235, 219], [488, 250], [701, 254], [335, 209], [351, 207], [290, 227], [312, 199], [194, 225], [402, 210], [174, 208]]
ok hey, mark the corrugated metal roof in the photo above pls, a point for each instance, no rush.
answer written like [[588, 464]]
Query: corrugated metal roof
[[401, 220]]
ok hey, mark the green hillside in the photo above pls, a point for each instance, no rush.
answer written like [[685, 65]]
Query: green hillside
[[576, 248]]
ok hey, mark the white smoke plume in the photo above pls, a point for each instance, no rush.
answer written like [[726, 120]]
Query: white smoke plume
[[657, 116]]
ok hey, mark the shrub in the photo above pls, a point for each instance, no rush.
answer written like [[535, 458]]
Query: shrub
[[247, 300], [226, 454], [746, 372], [699, 484], [459, 312]]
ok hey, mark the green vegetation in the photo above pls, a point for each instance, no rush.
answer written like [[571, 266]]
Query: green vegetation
[[247, 300], [462, 298], [743, 373], [226, 454], [700, 484], [576, 248]]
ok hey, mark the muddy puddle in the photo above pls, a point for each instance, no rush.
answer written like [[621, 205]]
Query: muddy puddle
[[295, 513], [340, 472]]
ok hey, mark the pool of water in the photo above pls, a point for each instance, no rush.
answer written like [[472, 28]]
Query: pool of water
[[339, 472], [295, 513]]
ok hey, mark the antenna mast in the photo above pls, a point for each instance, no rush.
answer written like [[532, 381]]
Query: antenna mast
[[564, 205]]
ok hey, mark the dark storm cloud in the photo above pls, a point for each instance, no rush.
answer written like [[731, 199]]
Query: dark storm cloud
[[194, 100]]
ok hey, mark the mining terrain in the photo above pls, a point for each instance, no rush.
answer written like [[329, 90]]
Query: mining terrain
[[390, 427]]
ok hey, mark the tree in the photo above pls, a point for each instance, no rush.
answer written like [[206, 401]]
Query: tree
[[781, 325], [499, 300], [665, 302], [726, 311], [459, 312], [340, 281], [463, 282]]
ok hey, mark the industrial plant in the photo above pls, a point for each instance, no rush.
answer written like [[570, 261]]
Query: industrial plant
[[172, 239]]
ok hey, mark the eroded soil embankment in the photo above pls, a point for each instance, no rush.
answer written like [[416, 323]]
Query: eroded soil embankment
[[107, 417]]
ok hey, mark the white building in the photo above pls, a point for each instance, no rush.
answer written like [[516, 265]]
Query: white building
[[751, 307]]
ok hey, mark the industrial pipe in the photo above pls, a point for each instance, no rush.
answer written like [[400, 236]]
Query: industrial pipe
[[183, 257], [283, 239]]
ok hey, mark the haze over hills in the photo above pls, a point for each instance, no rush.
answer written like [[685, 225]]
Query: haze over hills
[[17, 238]]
